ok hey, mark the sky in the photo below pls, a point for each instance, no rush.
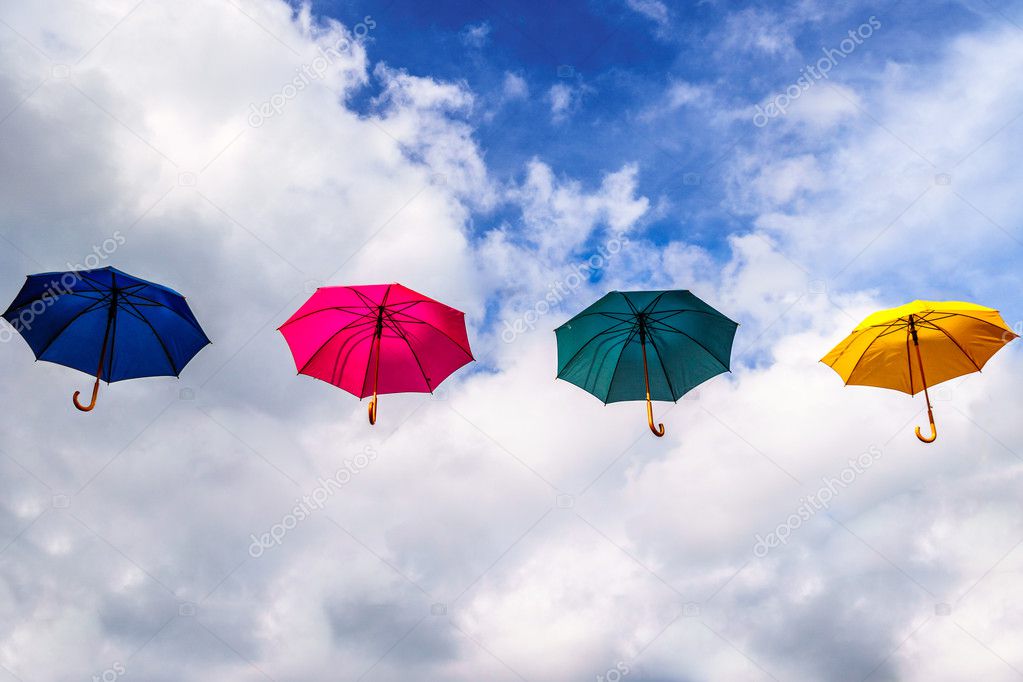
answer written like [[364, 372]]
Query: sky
[[796, 165]]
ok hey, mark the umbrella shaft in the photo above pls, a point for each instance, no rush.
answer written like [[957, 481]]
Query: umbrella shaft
[[920, 362], [106, 336]]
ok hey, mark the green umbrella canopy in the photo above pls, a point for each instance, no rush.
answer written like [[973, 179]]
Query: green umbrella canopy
[[644, 345]]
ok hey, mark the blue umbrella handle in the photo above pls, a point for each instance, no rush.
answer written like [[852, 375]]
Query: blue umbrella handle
[[102, 357], [95, 392]]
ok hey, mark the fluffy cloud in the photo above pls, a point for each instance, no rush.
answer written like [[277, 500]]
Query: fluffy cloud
[[509, 526]]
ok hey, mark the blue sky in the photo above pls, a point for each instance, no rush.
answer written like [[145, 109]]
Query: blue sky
[[623, 62]]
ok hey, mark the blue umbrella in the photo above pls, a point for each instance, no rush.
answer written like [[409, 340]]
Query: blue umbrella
[[107, 323]]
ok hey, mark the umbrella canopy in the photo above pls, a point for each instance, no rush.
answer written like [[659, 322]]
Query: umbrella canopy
[[107, 323], [644, 345], [919, 344], [381, 338]]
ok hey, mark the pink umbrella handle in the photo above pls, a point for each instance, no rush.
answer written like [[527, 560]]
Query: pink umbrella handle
[[376, 372]]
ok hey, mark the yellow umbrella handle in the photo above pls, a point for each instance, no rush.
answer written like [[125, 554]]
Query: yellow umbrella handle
[[934, 430], [923, 380]]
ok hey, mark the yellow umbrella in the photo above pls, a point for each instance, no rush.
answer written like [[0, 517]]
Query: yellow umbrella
[[904, 348]]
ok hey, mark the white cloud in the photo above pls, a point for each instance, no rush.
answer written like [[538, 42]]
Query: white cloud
[[461, 507], [565, 100], [759, 30], [514, 87], [476, 35], [679, 94], [654, 10]]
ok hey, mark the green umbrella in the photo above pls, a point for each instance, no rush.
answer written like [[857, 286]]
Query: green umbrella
[[605, 349]]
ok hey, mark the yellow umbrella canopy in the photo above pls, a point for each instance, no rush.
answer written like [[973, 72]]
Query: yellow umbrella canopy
[[919, 344]]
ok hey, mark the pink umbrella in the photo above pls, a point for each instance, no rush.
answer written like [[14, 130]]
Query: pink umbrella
[[379, 338]]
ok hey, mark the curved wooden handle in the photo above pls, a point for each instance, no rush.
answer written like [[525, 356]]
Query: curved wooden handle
[[373, 411], [934, 430], [659, 429], [87, 408]]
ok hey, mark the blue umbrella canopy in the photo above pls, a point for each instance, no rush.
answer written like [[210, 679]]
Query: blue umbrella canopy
[[106, 323], [644, 345]]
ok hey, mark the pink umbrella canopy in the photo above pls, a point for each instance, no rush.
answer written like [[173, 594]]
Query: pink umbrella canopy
[[378, 338]]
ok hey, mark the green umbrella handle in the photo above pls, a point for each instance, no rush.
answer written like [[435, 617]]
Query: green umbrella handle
[[659, 429]]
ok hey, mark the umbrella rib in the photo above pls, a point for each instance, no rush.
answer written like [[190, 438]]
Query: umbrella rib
[[381, 308], [657, 299], [628, 315], [705, 349], [961, 349], [355, 340], [435, 328], [635, 311], [137, 314], [97, 286], [370, 303], [864, 353], [909, 361], [609, 330], [664, 371], [403, 337], [113, 340], [892, 329], [665, 314], [325, 309], [669, 312], [618, 362], [990, 324], [191, 323], [170, 360], [323, 345], [102, 293], [88, 309]]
